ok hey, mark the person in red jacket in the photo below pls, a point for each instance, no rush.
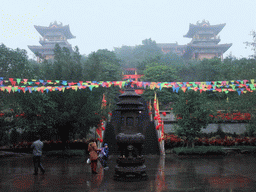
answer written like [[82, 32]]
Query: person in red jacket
[[93, 151]]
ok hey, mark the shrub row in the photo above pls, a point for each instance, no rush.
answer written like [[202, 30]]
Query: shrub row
[[49, 145], [212, 150], [172, 141]]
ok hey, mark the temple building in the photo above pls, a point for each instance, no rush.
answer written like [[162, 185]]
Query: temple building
[[204, 43], [55, 33], [173, 48], [131, 74]]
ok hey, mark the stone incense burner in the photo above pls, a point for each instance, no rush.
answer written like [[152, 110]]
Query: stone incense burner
[[130, 163]]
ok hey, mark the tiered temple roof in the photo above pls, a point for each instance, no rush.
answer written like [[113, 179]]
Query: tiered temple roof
[[55, 29], [204, 43], [203, 28], [52, 35]]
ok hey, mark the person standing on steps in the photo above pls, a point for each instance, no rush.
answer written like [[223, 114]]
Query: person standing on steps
[[37, 153]]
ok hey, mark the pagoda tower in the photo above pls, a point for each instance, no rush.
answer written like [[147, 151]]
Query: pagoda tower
[[55, 33], [205, 41]]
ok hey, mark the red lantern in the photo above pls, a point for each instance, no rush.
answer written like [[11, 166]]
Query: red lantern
[[164, 113], [103, 128], [155, 118], [102, 124], [157, 127], [159, 121], [101, 140], [159, 139]]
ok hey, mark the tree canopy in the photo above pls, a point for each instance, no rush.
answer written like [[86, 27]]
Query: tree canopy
[[192, 114], [74, 111]]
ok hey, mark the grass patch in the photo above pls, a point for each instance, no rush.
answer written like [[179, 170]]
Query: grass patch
[[209, 150], [66, 153], [251, 149], [199, 150]]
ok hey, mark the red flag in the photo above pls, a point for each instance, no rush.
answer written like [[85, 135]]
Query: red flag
[[99, 132], [104, 102]]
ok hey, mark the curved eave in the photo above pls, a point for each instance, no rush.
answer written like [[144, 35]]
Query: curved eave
[[130, 103], [196, 41], [39, 49], [170, 46], [65, 30], [126, 97], [54, 42], [195, 28], [222, 47], [212, 46], [130, 109]]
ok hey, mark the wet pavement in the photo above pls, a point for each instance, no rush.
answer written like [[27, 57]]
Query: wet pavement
[[170, 173]]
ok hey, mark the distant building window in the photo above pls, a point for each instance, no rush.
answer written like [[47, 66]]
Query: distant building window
[[129, 121]]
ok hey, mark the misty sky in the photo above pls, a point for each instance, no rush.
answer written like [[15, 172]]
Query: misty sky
[[105, 24]]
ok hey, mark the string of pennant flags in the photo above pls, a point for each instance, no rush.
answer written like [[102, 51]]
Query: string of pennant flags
[[30, 85]]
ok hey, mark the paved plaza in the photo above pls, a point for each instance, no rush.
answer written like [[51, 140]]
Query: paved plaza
[[169, 173]]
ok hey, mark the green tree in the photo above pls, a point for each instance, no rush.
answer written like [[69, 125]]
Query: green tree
[[192, 114], [147, 51], [77, 64], [172, 60], [39, 111], [126, 57], [77, 111], [47, 70], [166, 97], [252, 44], [157, 72], [58, 63], [13, 63], [135, 57], [60, 113], [66, 66], [102, 65]]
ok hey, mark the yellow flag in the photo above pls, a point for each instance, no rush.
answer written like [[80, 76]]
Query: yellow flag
[[150, 108]]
